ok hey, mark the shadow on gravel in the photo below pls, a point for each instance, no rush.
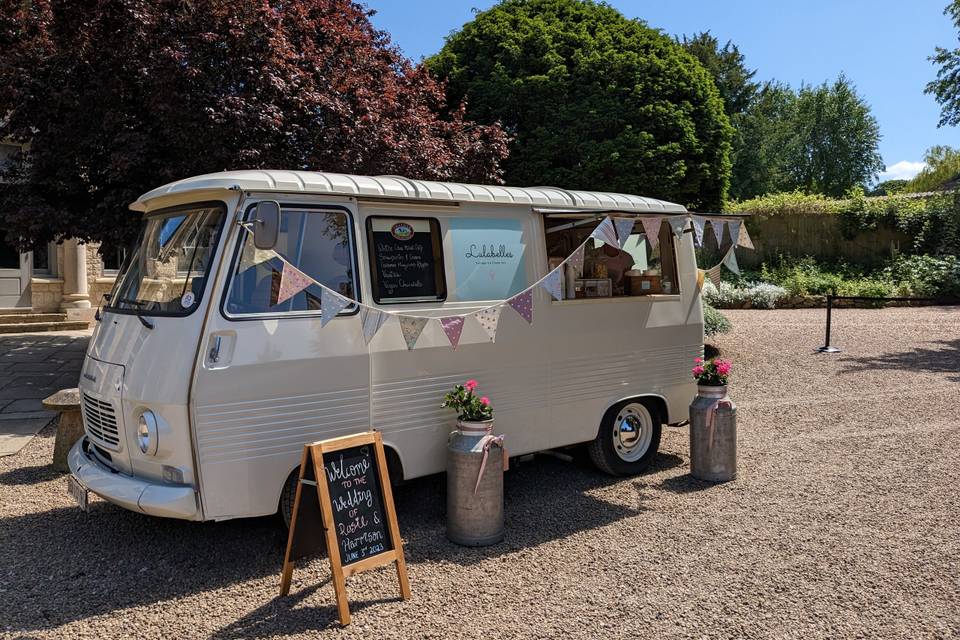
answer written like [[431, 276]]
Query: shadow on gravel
[[685, 484], [546, 499], [63, 565], [945, 359], [279, 618], [30, 475]]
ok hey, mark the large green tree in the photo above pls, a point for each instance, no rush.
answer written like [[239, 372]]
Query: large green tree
[[118, 96], [834, 140], [593, 100], [764, 131], [726, 64], [946, 87]]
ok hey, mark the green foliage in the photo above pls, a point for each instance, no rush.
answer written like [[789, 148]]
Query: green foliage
[[946, 87], [927, 275], [593, 100], [835, 138], [762, 133], [932, 221], [714, 322], [731, 75], [889, 188], [943, 166], [468, 405]]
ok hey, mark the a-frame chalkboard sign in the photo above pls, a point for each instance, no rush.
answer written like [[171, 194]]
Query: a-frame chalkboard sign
[[356, 511]]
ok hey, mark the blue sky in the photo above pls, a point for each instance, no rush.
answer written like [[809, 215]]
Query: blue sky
[[881, 45]]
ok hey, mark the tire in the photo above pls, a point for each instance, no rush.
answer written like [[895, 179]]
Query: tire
[[287, 495], [628, 439]]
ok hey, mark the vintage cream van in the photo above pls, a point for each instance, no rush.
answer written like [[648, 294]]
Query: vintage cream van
[[199, 389]]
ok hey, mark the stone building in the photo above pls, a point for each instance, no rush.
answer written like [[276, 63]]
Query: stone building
[[55, 287]]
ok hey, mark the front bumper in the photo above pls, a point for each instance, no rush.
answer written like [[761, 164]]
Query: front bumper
[[164, 500]]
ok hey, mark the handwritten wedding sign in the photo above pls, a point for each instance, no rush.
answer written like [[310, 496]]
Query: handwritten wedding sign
[[356, 510]]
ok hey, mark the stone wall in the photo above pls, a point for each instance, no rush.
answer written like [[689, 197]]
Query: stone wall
[[47, 291]]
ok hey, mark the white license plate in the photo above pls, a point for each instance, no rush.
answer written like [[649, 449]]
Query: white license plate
[[79, 492]]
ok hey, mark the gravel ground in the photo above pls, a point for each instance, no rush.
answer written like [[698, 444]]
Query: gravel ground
[[843, 523]]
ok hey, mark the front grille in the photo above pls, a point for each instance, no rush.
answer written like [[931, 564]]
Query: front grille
[[101, 421]]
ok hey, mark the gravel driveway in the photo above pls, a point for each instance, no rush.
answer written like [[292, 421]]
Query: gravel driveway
[[845, 522]]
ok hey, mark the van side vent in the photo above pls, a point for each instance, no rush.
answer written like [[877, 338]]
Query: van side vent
[[101, 421]]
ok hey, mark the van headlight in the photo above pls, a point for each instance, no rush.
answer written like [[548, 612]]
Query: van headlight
[[147, 433]]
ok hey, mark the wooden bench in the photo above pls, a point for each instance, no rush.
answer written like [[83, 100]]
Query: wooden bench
[[66, 403]]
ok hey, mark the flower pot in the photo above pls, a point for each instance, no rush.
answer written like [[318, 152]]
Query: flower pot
[[475, 428], [713, 435]]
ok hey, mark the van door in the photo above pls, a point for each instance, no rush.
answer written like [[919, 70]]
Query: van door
[[269, 378]]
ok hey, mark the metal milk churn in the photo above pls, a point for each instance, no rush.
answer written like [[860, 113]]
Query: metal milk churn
[[475, 466], [713, 435]]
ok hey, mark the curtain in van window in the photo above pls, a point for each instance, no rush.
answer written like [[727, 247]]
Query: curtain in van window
[[318, 244]]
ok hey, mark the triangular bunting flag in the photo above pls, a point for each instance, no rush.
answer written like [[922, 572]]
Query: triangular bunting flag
[[372, 319], [292, 282], [330, 305], [743, 238], [488, 319], [651, 229], [698, 224], [522, 303], [605, 232], [714, 274], [717, 226], [730, 260], [624, 227], [412, 328], [678, 224], [453, 327], [552, 284], [734, 226], [576, 259], [252, 256], [700, 277]]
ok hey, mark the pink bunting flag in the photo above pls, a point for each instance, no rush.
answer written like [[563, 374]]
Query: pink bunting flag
[[743, 238], [453, 327], [624, 227], [651, 229], [292, 282], [522, 303], [605, 232]]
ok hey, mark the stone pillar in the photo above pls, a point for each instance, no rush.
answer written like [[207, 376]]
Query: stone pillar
[[76, 297]]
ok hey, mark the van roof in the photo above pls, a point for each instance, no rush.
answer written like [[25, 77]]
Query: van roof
[[397, 187]]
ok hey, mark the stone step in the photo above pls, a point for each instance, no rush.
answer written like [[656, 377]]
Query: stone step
[[32, 327], [15, 311], [18, 318]]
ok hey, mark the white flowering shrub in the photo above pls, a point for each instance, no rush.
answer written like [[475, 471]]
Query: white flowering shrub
[[759, 295]]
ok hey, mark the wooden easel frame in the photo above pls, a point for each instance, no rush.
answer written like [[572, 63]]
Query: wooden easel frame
[[313, 455]]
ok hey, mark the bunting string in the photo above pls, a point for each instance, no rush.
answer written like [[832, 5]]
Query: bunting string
[[612, 231]]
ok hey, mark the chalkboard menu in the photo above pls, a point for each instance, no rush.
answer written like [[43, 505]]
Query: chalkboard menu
[[406, 259], [347, 477], [358, 517]]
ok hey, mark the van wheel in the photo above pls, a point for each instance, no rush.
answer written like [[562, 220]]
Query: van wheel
[[628, 439], [287, 496]]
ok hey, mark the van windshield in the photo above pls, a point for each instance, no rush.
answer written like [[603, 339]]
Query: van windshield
[[166, 272]]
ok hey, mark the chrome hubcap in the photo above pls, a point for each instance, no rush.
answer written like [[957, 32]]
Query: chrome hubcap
[[632, 432]]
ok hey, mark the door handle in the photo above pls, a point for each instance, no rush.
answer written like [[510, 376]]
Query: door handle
[[215, 349]]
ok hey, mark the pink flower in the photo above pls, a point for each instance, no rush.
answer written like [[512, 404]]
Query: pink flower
[[723, 367], [698, 370], [698, 360], [470, 385], [485, 400]]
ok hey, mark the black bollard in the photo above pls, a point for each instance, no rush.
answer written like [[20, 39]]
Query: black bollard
[[826, 348]]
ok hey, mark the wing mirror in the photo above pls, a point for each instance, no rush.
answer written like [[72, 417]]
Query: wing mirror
[[266, 224]]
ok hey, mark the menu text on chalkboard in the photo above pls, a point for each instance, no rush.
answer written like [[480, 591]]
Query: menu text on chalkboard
[[406, 259], [358, 517]]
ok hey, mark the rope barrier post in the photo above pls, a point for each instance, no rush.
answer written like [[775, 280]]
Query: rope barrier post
[[826, 348]]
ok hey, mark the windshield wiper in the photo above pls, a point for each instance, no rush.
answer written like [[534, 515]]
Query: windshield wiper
[[137, 304]]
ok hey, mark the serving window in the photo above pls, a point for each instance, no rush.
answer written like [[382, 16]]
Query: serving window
[[406, 260], [639, 269]]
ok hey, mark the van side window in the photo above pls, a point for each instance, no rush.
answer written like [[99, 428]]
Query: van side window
[[406, 260], [317, 242]]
